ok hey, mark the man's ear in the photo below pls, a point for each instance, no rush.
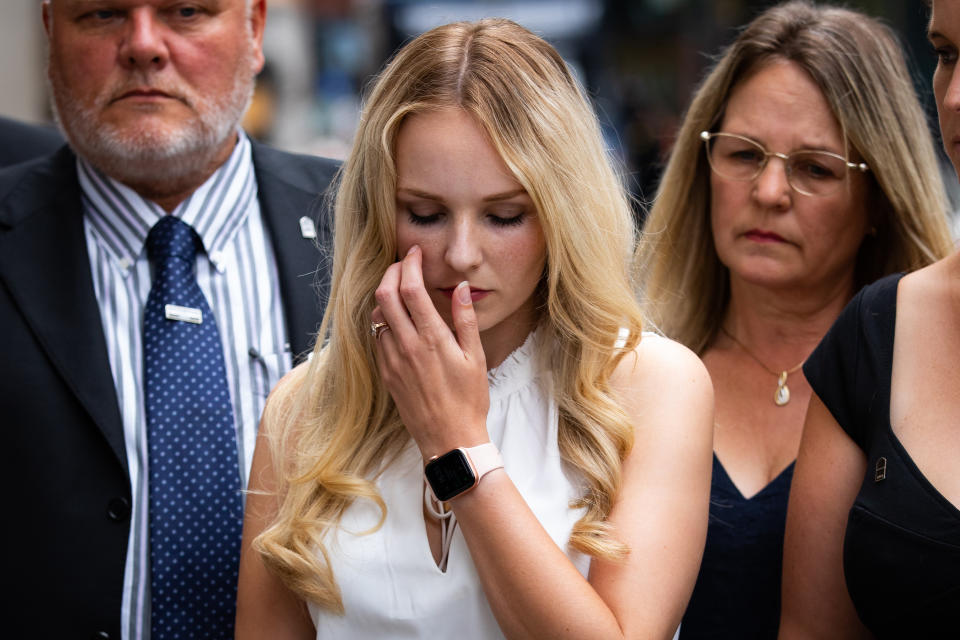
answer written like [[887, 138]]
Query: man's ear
[[257, 17], [46, 11]]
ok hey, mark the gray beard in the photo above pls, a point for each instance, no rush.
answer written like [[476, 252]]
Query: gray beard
[[148, 156]]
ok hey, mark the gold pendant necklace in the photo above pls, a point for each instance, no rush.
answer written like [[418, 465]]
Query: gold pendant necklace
[[782, 395]]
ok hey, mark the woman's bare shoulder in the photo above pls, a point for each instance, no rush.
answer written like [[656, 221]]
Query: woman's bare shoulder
[[658, 361], [930, 282], [283, 396], [664, 382], [293, 379]]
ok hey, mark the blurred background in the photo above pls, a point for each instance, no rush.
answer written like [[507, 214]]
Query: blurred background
[[638, 59]]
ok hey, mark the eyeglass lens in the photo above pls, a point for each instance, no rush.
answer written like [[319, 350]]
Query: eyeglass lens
[[814, 173]]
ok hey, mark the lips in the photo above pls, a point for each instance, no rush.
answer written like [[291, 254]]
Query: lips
[[475, 293], [144, 93], [761, 235]]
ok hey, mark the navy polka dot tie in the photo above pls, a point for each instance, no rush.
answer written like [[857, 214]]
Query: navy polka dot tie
[[196, 511]]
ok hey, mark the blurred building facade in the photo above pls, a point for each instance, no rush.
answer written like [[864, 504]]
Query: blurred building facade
[[23, 89], [639, 60]]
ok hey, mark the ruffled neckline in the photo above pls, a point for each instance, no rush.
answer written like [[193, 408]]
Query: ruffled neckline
[[516, 371]]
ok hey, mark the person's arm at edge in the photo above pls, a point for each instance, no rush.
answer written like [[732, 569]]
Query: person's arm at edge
[[266, 608], [826, 480]]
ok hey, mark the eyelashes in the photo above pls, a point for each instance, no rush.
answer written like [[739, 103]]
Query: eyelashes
[[512, 221], [496, 220], [422, 220], [946, 55]]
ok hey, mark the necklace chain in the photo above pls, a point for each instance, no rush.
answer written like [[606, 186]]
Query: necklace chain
[[782, 395], [758, 360]]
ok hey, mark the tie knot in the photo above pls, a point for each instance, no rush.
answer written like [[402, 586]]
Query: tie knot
[[172, 237]]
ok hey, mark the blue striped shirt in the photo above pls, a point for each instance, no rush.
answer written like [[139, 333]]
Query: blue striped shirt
[[238, 275]]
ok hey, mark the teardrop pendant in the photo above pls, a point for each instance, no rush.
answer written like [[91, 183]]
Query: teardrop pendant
[[782, 396]]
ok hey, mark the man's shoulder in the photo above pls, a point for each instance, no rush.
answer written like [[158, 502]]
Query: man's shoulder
[[29, 186], [21, 141], [310, 173]]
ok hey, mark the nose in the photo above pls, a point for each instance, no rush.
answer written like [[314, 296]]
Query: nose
[[951, 100], [463, 252], [772, 188], [143, 45]]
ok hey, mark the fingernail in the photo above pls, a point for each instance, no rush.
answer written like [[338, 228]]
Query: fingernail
[[412, 249], [463, 293]]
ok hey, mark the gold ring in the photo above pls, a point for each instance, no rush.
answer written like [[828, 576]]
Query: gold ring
[[376, 328]]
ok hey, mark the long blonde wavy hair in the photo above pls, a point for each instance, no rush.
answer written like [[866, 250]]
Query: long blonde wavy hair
[[859, 66], [337, 428]]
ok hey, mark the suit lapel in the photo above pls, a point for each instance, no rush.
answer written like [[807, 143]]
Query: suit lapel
[[44, 263], [282, 204]]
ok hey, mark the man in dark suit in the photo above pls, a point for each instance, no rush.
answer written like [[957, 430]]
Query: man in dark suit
[[20, 141], [149, 95]]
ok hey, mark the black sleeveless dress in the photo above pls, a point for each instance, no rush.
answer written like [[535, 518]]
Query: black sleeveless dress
[[737, 594], [901, 554]]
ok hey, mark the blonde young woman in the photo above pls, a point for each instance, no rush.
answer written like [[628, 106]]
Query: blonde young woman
[[481, 332], [803, 170], [872, 547]]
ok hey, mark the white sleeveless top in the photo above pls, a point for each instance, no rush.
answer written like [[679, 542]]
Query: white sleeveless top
[[390, 584]]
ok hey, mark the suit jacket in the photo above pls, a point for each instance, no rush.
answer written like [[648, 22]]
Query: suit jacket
[[64, 471], [20, 141]]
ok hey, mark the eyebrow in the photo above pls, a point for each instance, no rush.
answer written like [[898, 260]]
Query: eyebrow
[[812, 147], [496, 197]]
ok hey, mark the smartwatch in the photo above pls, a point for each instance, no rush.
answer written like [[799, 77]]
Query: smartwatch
[[459, 470]]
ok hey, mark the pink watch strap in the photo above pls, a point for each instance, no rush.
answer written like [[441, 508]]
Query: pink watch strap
[[484, 458]]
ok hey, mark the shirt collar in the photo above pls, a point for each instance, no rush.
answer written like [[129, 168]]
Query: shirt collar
[[216, 210]]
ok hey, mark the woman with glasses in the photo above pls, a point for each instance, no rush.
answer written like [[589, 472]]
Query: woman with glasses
[[803, 170], [872, 547]]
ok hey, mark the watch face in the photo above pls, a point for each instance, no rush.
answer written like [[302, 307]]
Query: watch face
[[450, 475]]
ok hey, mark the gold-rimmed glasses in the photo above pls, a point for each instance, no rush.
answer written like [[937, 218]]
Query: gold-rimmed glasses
[[810, 172]]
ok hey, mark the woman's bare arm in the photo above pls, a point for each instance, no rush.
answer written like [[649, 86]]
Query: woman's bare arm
[[663, 508], [265, 607], [827, 477]]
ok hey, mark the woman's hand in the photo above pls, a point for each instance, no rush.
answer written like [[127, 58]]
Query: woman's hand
[[438, 380]]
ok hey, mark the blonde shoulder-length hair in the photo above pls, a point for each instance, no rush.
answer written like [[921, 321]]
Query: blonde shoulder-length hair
[[338, 427], [859, 66]]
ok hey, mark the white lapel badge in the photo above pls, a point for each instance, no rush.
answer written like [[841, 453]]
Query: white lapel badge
[[307, 229], [183, 314]]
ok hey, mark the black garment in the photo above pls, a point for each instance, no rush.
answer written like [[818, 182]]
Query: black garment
[[901, 554], [737, 594], [20, 141]]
